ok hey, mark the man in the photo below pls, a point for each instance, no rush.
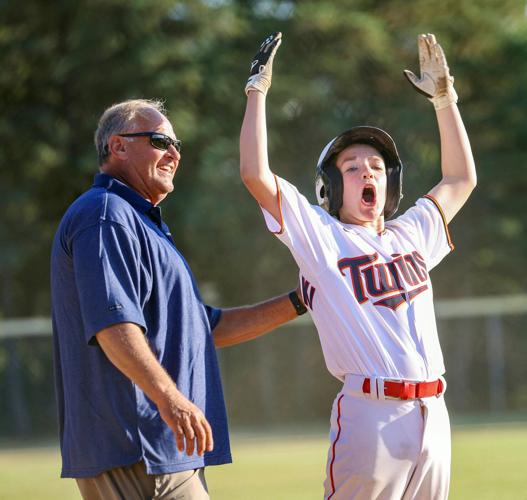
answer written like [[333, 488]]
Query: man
[[366, 284], [141, 409]]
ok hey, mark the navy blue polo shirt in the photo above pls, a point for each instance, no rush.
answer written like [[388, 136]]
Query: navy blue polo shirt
[[113, 260]]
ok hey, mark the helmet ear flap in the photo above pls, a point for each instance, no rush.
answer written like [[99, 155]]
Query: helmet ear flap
[[394, 183], [328, 186], [321, 190]]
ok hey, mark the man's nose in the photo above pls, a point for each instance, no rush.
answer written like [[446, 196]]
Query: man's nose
[[173, 152]]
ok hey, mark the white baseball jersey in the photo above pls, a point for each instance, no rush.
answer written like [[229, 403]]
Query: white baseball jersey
[[369, 294]]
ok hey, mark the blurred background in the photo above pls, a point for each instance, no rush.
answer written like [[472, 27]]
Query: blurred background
[[340, 65]]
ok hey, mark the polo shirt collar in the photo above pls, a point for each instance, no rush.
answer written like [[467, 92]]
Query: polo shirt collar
[[121, 189], [114, 185]]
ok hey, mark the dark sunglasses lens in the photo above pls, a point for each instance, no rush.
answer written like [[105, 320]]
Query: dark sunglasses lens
[[163, 142], [160, 142]]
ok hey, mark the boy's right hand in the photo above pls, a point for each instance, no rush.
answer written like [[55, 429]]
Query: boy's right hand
[[262, 65]]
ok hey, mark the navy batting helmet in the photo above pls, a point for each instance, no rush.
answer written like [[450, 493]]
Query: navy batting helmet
[[329, 179]]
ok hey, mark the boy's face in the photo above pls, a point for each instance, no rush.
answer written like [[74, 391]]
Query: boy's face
[[364, 185]]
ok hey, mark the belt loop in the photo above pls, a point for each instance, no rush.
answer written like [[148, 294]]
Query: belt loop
[[443, 388], [373, 388], [404, 393], [379, 382]]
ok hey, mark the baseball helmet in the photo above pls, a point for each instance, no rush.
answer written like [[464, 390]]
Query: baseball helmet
[[328, 182]]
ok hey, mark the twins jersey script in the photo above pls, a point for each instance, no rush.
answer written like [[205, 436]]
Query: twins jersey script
[[369, 294]]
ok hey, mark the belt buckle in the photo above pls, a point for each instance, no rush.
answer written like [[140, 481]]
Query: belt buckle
[[397, 381], [377, 389], [405, 390]]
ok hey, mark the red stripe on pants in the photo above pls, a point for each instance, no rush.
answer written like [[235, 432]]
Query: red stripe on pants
[[334, 446]]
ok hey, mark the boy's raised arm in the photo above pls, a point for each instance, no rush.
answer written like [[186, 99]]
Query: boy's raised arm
[[254, 164], [457, 162]]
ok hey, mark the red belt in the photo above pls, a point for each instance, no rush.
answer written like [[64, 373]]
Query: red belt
[[400, 389]]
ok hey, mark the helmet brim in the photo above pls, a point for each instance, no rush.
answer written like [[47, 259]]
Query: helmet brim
[[363, 134]]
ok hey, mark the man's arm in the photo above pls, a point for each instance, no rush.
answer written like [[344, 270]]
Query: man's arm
[[241, 324], [457, 162], [254, 164], [126, 347]]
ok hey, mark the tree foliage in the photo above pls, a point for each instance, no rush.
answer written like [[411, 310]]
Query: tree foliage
[[340, 65]]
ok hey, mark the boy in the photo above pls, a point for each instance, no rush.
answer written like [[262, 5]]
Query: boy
[[365, 282]]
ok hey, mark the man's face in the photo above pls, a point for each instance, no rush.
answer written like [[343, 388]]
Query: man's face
[[148, 170], [364, 185]]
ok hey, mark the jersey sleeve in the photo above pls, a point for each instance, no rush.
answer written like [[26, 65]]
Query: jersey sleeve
[[302, 227], [425, 224], [111, 282]]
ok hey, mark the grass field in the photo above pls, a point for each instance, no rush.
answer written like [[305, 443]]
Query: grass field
[[489, 463]]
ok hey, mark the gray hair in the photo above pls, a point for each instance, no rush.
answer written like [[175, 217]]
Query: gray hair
[[118, 117]]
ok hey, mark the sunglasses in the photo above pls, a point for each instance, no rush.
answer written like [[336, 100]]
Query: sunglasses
[[157, 140]]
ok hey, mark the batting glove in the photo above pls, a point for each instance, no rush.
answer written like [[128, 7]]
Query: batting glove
[[262, 65], [435, 82]]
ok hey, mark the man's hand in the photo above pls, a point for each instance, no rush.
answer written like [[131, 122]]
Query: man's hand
[[126, 347], [435, 81], [191, 428], [262, 65]]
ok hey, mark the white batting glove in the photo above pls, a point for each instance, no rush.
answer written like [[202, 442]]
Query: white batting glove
[[435, 82], [262, 65]]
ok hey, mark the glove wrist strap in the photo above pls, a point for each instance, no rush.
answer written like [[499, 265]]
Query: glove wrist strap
[[445, 100], [255, 88], [258, 82]]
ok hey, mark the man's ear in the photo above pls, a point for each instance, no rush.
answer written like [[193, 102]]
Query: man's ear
[[117, 147]]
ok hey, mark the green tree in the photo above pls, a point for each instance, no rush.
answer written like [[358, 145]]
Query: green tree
[[340, 65]]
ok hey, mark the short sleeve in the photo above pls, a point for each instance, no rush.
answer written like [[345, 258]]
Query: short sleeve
[[303, 227], [110, 279], [426, 225], [214, 316]]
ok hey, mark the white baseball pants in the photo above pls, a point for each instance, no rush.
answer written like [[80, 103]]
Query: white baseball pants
[[387, 449]]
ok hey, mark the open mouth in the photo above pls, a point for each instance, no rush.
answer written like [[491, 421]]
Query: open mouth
[[368, 195], [166, 168]]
